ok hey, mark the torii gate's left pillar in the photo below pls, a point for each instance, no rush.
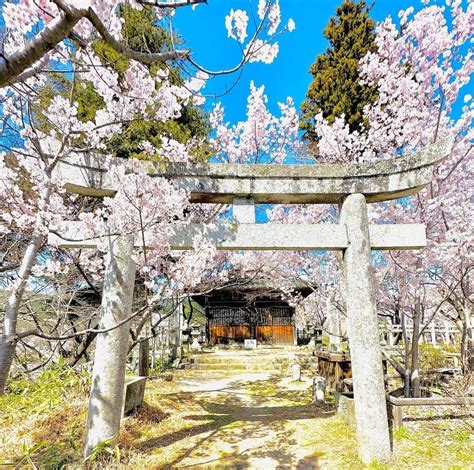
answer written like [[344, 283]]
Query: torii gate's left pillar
[[108, 375]]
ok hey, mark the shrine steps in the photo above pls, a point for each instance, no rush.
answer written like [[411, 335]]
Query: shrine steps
[[231, 365], [266, 360]]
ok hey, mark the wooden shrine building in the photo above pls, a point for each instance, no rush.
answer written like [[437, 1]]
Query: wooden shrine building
[[253, 310]]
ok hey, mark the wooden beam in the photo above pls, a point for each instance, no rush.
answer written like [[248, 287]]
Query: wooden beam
[[317, 237], [430, 401]]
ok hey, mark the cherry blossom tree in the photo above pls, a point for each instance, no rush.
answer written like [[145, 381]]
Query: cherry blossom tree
[[58, 37], [420, 69], [37, 33], [261, 138]]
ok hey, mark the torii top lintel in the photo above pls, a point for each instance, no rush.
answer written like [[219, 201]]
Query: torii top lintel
[[284, 184]]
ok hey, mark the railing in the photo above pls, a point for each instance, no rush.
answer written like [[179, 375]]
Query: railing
[[396, 405], [431, 333]]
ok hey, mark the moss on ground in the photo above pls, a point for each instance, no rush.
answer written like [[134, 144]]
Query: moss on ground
[[244, 424]]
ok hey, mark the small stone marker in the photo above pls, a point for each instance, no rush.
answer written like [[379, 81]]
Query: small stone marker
[[134, 393], [319, 389], [345, 405], [296, 372], [250, 343]]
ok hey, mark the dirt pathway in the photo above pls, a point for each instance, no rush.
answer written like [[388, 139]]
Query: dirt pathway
[[238, 421], [207, 419]]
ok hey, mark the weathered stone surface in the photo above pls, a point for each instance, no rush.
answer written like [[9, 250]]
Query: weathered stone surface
[[264, 236], [134, 393], [243, 210], [221, 183], [319, 389], [108, 374], [334, 326], [345, 406], [295, 372], [250, 344], [363, 332]]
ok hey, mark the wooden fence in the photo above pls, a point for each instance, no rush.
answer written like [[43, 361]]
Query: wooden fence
[[432, 333], [397, 404]]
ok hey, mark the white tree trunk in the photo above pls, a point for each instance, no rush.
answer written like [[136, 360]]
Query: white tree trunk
[[334, 323], [364, 339], [8, 339], [108, 376]]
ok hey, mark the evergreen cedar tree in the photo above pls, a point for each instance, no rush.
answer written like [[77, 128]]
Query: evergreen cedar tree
[[141, 33], [336, 89]]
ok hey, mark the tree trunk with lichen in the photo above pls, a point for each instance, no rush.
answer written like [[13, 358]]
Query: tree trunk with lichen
[[8, 338]]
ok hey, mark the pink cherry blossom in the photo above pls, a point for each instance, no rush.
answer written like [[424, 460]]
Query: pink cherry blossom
[[236, 24]]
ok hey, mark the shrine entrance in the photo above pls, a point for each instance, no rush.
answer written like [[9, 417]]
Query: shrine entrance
[[352, 187], [252, 310], [268, 325]]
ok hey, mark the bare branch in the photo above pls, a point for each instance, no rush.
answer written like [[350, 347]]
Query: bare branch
[[246, 55], [35, 332], [143, 57], [173, 5]]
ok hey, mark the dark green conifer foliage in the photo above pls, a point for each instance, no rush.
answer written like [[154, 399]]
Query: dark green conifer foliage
[[141, 33], [335, 89]]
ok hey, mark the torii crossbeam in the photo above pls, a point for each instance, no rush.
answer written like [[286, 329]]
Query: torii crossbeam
[[351, 186]]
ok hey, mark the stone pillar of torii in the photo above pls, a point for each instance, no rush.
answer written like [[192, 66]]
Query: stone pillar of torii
[[350, 186]]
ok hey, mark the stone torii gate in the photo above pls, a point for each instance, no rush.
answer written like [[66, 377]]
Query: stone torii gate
[[350, 186]]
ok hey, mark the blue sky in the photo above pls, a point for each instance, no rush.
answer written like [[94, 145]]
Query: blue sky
[[205, 33]]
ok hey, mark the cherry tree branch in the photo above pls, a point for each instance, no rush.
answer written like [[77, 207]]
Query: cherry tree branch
[[22, 61], [20, 65], [245, 57], [174, 5], [39, 334], [143, 57]]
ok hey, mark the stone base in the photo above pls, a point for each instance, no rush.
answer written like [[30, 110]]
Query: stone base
[[345, 405], [134, 393]]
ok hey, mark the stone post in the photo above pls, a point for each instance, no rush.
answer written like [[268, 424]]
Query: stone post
[[363, 331], [243, 210], [144, 358], [108, 375], [319, 389], [174, 325]]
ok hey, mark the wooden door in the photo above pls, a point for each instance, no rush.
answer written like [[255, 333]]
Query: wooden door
[[220, 334], [283, 334], [264, 334]]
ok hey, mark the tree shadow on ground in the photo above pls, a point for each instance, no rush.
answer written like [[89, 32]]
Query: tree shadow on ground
[[261, 391], [243, 426]]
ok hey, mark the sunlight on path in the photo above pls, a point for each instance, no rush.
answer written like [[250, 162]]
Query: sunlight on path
[[262, 420], [233, 420]]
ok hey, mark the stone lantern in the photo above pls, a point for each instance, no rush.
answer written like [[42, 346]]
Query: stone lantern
[[195, 334]]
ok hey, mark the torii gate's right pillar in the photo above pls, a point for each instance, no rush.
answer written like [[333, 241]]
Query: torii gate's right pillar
[[363, 332]]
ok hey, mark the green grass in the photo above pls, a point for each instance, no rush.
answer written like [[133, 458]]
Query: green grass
[[42, 420], [42, 425]]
